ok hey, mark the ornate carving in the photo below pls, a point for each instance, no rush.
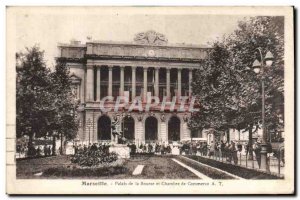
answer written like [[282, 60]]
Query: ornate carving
[[140, 117], [185, 118], [151, 114], [151, 38], [162, 117]]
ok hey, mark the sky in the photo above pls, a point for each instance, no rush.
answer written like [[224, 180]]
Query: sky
[[50, 26]]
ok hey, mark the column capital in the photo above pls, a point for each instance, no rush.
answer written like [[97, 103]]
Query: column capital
[[122, 66], [110, 67], [168, 69], [133, 67], [191, 69], [145, 68], [179, 69], [89, 66]]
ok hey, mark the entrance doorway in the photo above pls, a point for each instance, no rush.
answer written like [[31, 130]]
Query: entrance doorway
[[151, 129], [174, 129], [104, 128], [128, 128]]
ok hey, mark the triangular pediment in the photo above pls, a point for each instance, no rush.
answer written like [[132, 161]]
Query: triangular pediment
[[74, 78]]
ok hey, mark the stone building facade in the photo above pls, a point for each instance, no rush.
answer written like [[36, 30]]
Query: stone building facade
[[148, 66]]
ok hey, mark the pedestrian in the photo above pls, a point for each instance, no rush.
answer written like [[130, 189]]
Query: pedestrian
[[150, 147], [133, 148], [205, 149], [257, 151], [234, 153], [227, 152], [38, 151], [230, 152], [198, 149], [222, 148], [85, 147], [247, 148], [75, 149], [45, 150], [93, 147], [141, 147], [49, 150], [211, 149]]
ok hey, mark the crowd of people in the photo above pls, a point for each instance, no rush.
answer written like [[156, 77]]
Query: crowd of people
[[144, 148], [34, 151], [227, 151], [93, 147]]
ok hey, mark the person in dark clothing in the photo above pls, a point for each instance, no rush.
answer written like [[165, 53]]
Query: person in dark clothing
[[239, 147], [222, 149], [133, 149], [141, 147], [169, 149], [49, 150], [257, 151], [150, 148], [75, 149], [94, 147], [85, 148], [205, 148], [162, 149], [38, 151], [234, 152], [247, 148]]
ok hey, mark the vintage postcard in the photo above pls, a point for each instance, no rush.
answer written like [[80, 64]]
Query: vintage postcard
[[150, 100]]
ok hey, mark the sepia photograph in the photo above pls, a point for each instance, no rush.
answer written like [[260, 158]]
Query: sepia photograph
[[150, 100]]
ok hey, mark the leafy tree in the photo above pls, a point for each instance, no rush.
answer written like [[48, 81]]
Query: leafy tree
[[267, 34], [33, 94], [65, 123], [44, 100], [228, 89]]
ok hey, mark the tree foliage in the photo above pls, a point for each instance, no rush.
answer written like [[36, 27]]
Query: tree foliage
[[44, 100], [65, 105], [33, 94], [228, 89]]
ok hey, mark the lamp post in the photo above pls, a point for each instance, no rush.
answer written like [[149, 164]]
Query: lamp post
[[89, 123], [258, 67]]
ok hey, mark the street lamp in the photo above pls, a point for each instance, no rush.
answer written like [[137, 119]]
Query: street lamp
[[259, 67]]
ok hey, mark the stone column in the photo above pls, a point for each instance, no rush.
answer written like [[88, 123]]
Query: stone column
[[145, 84], [98, 82], [190, 81], [133, 82], [179, 82], [90, 127], [110, 67], [156, 86], [121, 80], [139, 133], [89, 84], [168, 83], [185, 133], [163, 131]]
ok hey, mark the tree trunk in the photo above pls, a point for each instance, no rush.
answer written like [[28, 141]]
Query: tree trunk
[[61, 144], [31, 151], [228, 135], [30, 142], [53, 145], [250, 152]]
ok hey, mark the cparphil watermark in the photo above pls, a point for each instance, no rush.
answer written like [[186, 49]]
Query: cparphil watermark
[[183, 104]]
